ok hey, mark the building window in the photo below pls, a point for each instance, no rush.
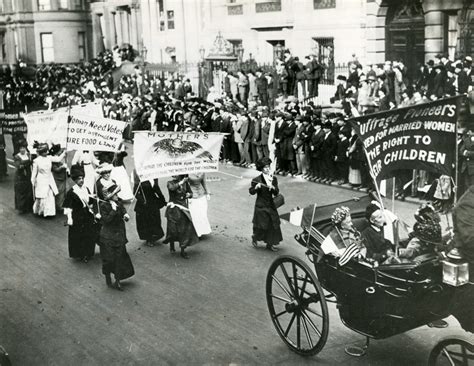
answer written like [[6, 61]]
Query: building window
[[451, 35], [170, 16], [63, 4], [81, 42], [78, 5], [43, 4], [235, 10], [47, 47], [324, 4], [323, 48], [268, 6]]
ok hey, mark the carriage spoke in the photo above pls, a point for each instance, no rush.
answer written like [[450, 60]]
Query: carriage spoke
[[303, 288], [306, 330], [315, 313], [290, 324], [298, 331], [312, 324], [285, 290], [448, 356], [280, 298], [288, 280], [295, 280], [279, 314]]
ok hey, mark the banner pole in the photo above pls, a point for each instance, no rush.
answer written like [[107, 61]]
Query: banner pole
[[393, 194], [456, 164], [377, 189]]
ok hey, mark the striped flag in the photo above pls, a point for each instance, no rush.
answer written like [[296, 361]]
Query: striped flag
[[350, 252]]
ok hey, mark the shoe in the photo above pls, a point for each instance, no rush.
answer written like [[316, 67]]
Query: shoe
[[172, 250], [272, 248], [149, 243], [184, 254], [284, 174], [85, 259], [118, 285], [254, 242], [108, 280]]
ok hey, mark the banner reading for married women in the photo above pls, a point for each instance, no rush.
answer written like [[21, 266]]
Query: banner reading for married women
[[163, 154], [417, 137], [94, 133]]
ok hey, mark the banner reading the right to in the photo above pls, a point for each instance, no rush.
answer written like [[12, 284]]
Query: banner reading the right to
[[421, 137]]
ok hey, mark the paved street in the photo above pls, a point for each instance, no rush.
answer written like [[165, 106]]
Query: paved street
[[209, 310]]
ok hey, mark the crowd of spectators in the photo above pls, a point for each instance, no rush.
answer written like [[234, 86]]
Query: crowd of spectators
[[259, 111]]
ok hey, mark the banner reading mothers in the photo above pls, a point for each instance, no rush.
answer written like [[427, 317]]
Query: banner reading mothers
[[163, 154], [94, 133], [417, 137]]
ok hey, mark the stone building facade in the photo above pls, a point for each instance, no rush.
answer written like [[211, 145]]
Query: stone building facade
[[41, 31]]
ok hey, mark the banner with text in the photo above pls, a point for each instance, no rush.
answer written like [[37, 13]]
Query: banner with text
[[94, 133], [47, 126], [417, 137], [12, 121], [163, 154]]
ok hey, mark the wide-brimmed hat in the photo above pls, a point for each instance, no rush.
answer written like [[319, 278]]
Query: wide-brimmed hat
[[42, 147], [109, 192], [77, 171], [104, 168]]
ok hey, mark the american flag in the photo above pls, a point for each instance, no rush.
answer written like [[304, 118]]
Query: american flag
[[350, 252]]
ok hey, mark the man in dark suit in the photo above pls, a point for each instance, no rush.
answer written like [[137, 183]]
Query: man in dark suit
[[287, 152], [316, 142], [439, 82], [463, 78], [262, 87], [278, 139], [313, 71], [328, 151]]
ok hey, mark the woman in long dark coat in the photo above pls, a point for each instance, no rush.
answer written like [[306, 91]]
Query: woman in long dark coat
[[23, 187], [80, 218], [112, 239], [180, 225], [147, 210], [266, 222]]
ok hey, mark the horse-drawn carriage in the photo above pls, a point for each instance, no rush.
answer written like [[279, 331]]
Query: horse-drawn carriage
[[377, 301]]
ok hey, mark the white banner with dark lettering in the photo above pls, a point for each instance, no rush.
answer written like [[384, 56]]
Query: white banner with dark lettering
[[94, 133], [417, 137], [47, 126], [164, 154]]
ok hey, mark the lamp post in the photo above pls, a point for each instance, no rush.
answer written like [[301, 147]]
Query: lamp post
[[144, 53]]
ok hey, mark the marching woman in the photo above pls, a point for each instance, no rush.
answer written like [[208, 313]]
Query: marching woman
[[120, 176], [147, 210], [80, 218], [42, 180], [112, 239], [105, 180], [23, 188], [198, 204], [88, 160], [180, 226], [266, 222]]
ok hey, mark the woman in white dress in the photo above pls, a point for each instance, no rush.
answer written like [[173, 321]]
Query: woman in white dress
[[42, 180], [198, 203], [88, 160]]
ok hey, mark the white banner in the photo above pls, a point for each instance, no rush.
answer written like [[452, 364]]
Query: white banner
[[93, 109], [163, 154], [94, 133], [47, 126]]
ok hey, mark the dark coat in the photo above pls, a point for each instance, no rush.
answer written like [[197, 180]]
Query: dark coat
[[329, 147], [262, 85], [266, 222], [112, 232], [149, 201], [376, 244], [82, 233], [463, 82], [288, 133], [463, 220], [341, 151], [23, 187], [316, 144]]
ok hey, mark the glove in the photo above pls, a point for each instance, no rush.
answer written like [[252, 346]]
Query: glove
[[98, 216], [126, 217]]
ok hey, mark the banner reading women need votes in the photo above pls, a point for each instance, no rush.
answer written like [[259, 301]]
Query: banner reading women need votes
[[417, 137], [163, 154], [94, 133]]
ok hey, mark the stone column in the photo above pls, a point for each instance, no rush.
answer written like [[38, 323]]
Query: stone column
[[97, 41], [375, 32], [153, 49], [133, 27], [119, 27], [145, 17], [434, 33], [113, 30]]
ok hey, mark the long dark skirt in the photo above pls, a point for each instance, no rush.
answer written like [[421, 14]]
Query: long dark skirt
[[23, 196], [117, 261], [267, 228], [180, 228], [81, 240], [149, 224]]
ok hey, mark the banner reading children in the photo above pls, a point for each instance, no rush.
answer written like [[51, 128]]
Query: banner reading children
[[164, 154], [418, 137]]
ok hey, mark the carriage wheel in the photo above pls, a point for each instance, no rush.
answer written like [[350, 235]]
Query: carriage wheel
[[297, 305], [452, 351]]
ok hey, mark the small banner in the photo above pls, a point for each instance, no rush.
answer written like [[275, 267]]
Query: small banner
[[94, 133], [417, 137], [47, 126], [12, 121], [164, 154], [93, 109]]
